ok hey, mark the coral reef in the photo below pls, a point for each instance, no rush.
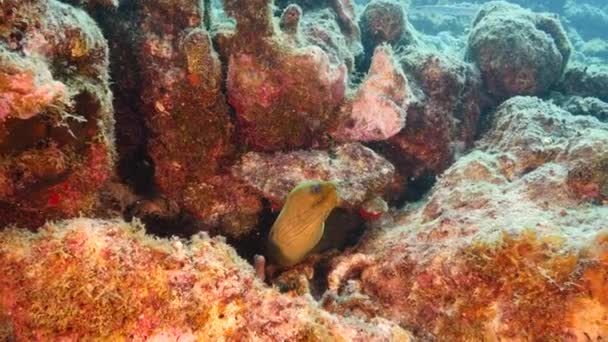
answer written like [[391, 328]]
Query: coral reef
[[442, 115], [382, 22], [284, 96], [505, 246], [186, 135], [344, 11], [579, 105], [56, 124], [586, 80], [500, 32], [118, 283], [359, 172], [94, 4], [378, 109], [217, 109]]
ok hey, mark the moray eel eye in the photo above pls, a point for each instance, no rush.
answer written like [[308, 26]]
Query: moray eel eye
[[315, 189]]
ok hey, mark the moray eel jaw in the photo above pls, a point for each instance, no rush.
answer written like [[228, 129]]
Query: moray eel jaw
[[300, 224]]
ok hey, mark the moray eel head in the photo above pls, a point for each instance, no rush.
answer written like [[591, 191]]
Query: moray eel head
[[300, 224]]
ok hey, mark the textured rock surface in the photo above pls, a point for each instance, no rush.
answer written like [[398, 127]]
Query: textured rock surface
[[586, 80], [117, 283], [384, 21], [322, 28], [442, 116], [378, 109], [344, 11], [511, 242], [579, 105], [284, 96], [56, 124], [518, 52], [186, 133], [359, 172]]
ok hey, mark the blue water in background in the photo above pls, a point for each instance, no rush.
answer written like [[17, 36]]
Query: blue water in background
[[585, 21]]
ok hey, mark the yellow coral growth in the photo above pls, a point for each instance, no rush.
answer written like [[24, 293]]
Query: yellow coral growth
[[522, 287], [74, 284]]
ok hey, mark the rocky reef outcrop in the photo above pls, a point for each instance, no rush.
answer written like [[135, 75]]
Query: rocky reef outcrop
[[466, 212], [517, 51], [360, 173], [510, 242], [56, 123], [175, 139], [443, 113], [586, 80], [119, 283], [377, 110]]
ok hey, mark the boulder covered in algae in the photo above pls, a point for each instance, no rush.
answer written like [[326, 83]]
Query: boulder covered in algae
[[88, 279], [284, 96], [56, 124], [178, 132], [511, 243], [518, 52], [377, 110], [359, 172], [443, 111], [586, 80]]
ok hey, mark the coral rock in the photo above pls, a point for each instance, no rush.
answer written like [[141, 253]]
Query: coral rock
[[579, 105], [186, 134], [382, 22], [442, 114], [284, 96], [56, 123], [359, 172], [502, 247], [117, 283], [378, 109], [586, 80], [501, 31]]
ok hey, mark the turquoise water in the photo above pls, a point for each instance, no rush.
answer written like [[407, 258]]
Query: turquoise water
[[585, 21]]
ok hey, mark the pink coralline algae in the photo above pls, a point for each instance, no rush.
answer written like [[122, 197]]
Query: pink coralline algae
[[26, 93], [359, 172], [378, 109], [56, 124], [505, 244], [108, 280]]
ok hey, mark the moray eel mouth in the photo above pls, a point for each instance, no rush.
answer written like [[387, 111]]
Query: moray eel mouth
[[301, 223]]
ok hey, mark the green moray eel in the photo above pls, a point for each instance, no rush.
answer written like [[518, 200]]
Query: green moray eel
[[300, 224]]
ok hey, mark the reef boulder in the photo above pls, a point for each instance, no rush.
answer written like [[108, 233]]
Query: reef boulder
[[444, 106], [586, 80], [511, 242], [56, 122], [360, 173], [518, 52], [284, 96], [177, 135], [377, 110], [118, 283]]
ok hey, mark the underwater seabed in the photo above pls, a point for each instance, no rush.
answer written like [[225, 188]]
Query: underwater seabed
[[340, 170]]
